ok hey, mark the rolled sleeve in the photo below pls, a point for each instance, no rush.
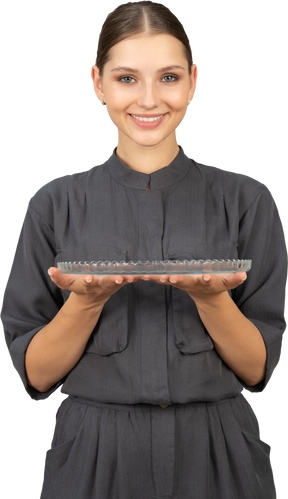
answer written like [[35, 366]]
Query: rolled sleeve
[[31, 300], [261, 297]]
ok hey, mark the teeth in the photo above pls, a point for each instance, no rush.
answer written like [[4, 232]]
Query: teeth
[[147, 119]]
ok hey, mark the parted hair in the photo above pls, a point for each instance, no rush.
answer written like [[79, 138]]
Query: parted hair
[[136, 18]]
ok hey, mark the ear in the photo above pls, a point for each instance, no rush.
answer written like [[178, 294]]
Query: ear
[[97, 82], [193, 79]]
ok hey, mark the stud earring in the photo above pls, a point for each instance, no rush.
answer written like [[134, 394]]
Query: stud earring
[[189, 101], [102, 101]]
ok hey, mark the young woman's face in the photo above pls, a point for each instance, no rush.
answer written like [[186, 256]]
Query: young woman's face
[[146, 77]]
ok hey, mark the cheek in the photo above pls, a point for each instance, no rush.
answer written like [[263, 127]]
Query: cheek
[[180, 99], [119, 102], [117, 96]]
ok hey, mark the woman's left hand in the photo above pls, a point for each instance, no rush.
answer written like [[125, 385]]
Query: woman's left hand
[[201, 285]]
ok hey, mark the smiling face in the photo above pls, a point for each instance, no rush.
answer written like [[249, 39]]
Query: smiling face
[[146, 77]]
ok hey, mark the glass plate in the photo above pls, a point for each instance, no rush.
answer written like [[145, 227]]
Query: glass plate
[[156, 267]]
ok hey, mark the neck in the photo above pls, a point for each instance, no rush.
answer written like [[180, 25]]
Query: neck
[[146, 159]]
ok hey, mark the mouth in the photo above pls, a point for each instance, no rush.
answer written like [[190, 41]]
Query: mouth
[[147, 118], [147, 121]]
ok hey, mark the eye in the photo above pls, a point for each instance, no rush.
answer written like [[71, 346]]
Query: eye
[[166, 76], [122, 78], [171, 76]]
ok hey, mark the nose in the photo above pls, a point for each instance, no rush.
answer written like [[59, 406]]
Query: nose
[[149, 97]]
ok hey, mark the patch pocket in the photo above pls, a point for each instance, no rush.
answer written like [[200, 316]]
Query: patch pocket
[[54, 467], [110, 334], [260, 465], [256, 453], [191, 335], [257, 447], [70, 417]]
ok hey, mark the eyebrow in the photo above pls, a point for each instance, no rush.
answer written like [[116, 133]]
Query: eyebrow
[[131, 70]]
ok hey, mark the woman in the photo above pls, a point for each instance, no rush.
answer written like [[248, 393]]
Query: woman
[[154, 366]]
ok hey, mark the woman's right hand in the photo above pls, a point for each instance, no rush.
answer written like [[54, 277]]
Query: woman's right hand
[[91, 289], [56, 348]]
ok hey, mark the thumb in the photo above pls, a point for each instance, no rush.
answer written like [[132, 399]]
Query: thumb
[[53, 272], [234, 280], [242, 276], [60, 279]]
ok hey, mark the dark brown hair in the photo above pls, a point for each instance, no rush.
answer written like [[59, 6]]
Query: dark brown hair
[[135, 18]]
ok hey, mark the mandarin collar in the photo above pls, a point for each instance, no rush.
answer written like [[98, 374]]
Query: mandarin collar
[[165, 177]]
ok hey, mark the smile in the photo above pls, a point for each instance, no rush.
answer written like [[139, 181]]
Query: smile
[[148, 123], [147, 119]]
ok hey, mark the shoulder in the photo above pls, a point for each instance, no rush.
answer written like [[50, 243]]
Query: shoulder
[[53, 196], [235, 187]]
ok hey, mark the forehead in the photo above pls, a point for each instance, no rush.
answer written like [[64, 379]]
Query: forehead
[[147, 49]]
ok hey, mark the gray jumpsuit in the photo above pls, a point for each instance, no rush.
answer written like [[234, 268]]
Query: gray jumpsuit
[[113, 440]]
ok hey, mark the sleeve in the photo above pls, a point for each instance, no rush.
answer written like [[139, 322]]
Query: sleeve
[[261, 297], [31, 300]]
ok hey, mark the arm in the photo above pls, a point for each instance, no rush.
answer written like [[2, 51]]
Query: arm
[[56, 348], [236, 339]]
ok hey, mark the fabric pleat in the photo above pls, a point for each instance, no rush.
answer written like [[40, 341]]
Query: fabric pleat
[[191, 451]]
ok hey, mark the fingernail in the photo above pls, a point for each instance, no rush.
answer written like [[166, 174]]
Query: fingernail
[[170, 280], [163, 281], [118, 282], [207, 279], [50, 273], [89, 280]]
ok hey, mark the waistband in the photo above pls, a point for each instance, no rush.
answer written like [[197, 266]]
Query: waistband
[[150, 407]]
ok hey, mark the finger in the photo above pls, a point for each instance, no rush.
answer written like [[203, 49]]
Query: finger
[[207, 278], [131, 278], [164, 279], [184, 279], [118, 279], [60, 279], [176, 279], [88, 279], [55, 274], [123, 279], [242, 276], [148, 277], [236, 278]]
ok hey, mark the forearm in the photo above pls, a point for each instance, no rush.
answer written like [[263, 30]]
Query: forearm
[[236, 339], [56, 348]]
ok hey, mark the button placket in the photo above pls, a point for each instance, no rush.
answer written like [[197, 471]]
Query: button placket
[[152, 302]]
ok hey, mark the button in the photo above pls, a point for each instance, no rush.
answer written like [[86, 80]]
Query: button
[[163, 406]]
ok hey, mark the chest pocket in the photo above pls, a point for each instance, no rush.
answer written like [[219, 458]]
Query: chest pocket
[[191, 336], [110, 334]]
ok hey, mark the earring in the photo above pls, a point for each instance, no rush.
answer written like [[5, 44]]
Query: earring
[[102, 101], [189, 101]]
